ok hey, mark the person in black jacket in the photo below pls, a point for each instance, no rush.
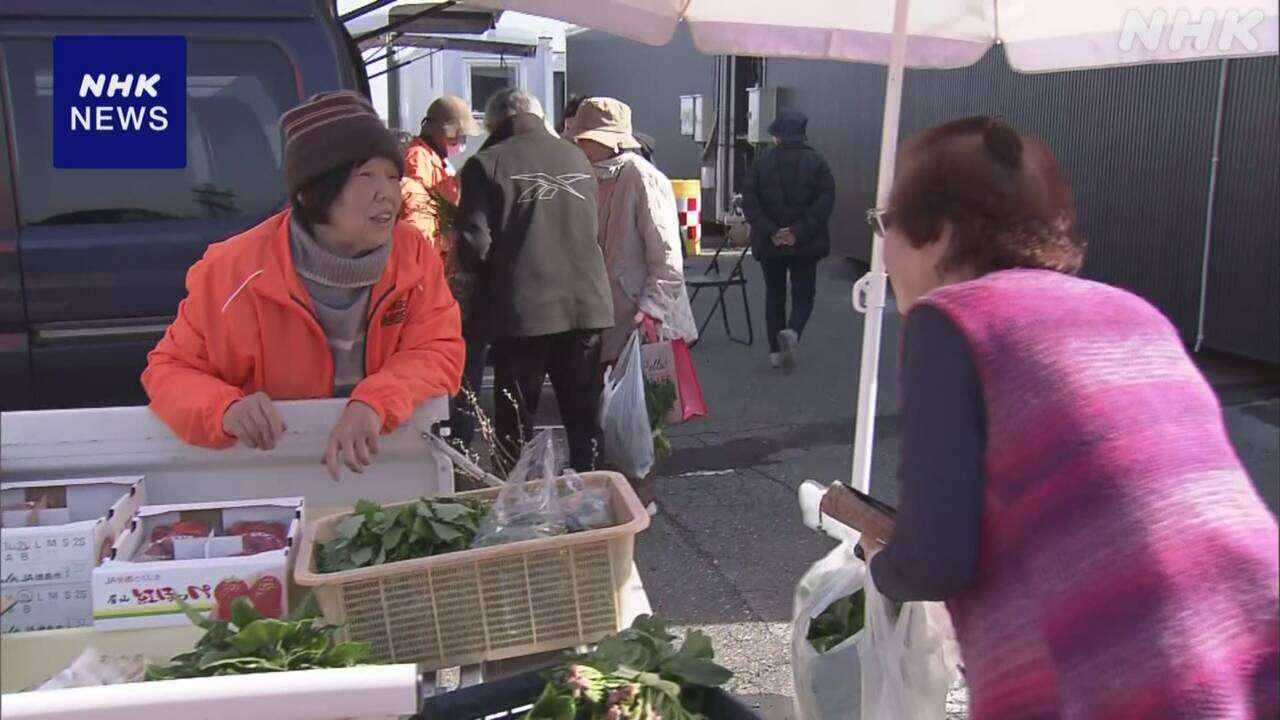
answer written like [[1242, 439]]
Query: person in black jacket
[[788, 199], [527, 225]]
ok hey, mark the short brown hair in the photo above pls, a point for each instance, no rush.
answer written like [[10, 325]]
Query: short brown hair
[[1002, 192]]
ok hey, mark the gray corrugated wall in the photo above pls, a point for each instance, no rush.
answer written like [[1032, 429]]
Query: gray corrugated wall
[[1244, 266], [1134, 142], [650, 80], [1136, 145]]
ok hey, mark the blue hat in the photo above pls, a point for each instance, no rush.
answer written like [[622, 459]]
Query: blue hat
[[789, 124]]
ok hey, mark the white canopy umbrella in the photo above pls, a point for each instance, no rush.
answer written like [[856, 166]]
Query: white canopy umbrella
[[1038, 36]]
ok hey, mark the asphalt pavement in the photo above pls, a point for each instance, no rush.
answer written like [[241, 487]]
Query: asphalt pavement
[[728, 545]]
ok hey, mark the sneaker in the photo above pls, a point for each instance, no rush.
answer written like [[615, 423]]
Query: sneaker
[[789, 341], [775, 360]]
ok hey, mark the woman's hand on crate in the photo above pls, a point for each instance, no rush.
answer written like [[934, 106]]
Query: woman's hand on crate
[[253, 421], [354, 441]]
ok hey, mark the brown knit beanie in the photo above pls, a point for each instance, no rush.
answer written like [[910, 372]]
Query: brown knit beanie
[[330, 130]]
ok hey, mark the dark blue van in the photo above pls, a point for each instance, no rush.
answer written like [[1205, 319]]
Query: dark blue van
[[93, 262]]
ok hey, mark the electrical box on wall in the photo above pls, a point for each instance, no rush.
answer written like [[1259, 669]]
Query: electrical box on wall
[[762, 105], [693, 122]]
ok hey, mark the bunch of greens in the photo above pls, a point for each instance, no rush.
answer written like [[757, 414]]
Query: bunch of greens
[[659, 399], [446, 211], [251, 643], [838, 622], [638, 674], [373, 535]]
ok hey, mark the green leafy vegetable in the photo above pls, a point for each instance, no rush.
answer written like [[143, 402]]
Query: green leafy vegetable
[[446, 210], [636, 674], [374, 535], [251, 643], [839, 622], [659, 399]]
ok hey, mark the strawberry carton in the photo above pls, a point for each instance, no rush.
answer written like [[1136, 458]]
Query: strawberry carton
[[53, 535], [208, 554]]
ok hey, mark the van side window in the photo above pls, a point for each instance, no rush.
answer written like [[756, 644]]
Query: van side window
[[236, 92]]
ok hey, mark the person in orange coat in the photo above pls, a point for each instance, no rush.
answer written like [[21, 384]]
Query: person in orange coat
[[445, 129], [332, 297], [428, 177]]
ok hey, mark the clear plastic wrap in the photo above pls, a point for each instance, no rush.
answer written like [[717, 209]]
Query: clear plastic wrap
[[260, 536], [526, 509], [584, 508], [93, 668], [160, 542]]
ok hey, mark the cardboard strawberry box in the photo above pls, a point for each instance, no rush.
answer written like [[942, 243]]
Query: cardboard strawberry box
[[53, 535], [208, 554]]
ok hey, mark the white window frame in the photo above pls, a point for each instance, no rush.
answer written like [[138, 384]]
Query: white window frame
[[521, 73]]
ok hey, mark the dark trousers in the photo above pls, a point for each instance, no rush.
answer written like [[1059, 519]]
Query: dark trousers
[[572, 361], [804, 285], [461, 412]]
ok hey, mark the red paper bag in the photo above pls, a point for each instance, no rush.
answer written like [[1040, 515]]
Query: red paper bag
[[689, 390], [668, 361]]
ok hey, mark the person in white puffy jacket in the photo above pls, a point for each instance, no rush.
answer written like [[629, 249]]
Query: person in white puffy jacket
[[638, 228]]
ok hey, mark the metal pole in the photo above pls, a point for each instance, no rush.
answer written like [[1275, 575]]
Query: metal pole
[[393, 85], [1209, 206], [870, 291]]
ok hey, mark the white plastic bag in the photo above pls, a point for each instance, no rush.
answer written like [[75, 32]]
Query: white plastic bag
[[828, 685], [624, 417], [909, 658]]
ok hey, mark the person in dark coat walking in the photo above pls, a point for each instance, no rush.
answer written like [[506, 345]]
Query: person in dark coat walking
[[788, 199], [528, 226]]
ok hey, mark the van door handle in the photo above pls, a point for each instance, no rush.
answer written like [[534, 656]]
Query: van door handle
[[78, 332]]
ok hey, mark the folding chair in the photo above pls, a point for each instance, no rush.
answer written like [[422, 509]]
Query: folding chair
[[722, 284]]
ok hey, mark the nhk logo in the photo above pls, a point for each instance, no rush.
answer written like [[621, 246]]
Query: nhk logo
[[119, 101]]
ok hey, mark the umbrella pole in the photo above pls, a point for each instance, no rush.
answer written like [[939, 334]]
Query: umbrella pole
[[869, 293]]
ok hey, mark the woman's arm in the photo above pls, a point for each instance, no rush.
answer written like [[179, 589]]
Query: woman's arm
[[428, 360], [753, 205], [474, 234], [818, 214], [656, 222], [934, 550], [181, 379], [415, 189]]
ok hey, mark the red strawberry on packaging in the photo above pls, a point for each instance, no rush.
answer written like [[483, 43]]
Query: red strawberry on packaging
[[260, 536], [226, 592], [267, 596]]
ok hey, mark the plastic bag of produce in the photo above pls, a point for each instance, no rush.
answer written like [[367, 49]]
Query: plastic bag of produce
[[624, 416], [585, 508], [909, 658], [826, 633], [528, 506]]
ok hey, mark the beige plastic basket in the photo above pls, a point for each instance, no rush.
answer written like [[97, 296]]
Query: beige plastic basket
[[488, 603]]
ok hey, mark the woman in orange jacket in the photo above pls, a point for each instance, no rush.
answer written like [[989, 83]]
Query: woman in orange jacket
[[332, 297]]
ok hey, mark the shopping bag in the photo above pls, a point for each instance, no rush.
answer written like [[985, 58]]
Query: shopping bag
[[624, 416], [909, 658], [828, 685], [668, 360]]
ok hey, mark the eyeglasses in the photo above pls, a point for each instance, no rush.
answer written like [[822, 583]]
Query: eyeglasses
[[880, 220]]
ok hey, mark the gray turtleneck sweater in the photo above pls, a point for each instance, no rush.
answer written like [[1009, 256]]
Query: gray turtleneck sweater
[[339, 288]]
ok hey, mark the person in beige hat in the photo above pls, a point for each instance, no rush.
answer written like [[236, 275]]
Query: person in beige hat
[[445, 129], [638, 227]]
